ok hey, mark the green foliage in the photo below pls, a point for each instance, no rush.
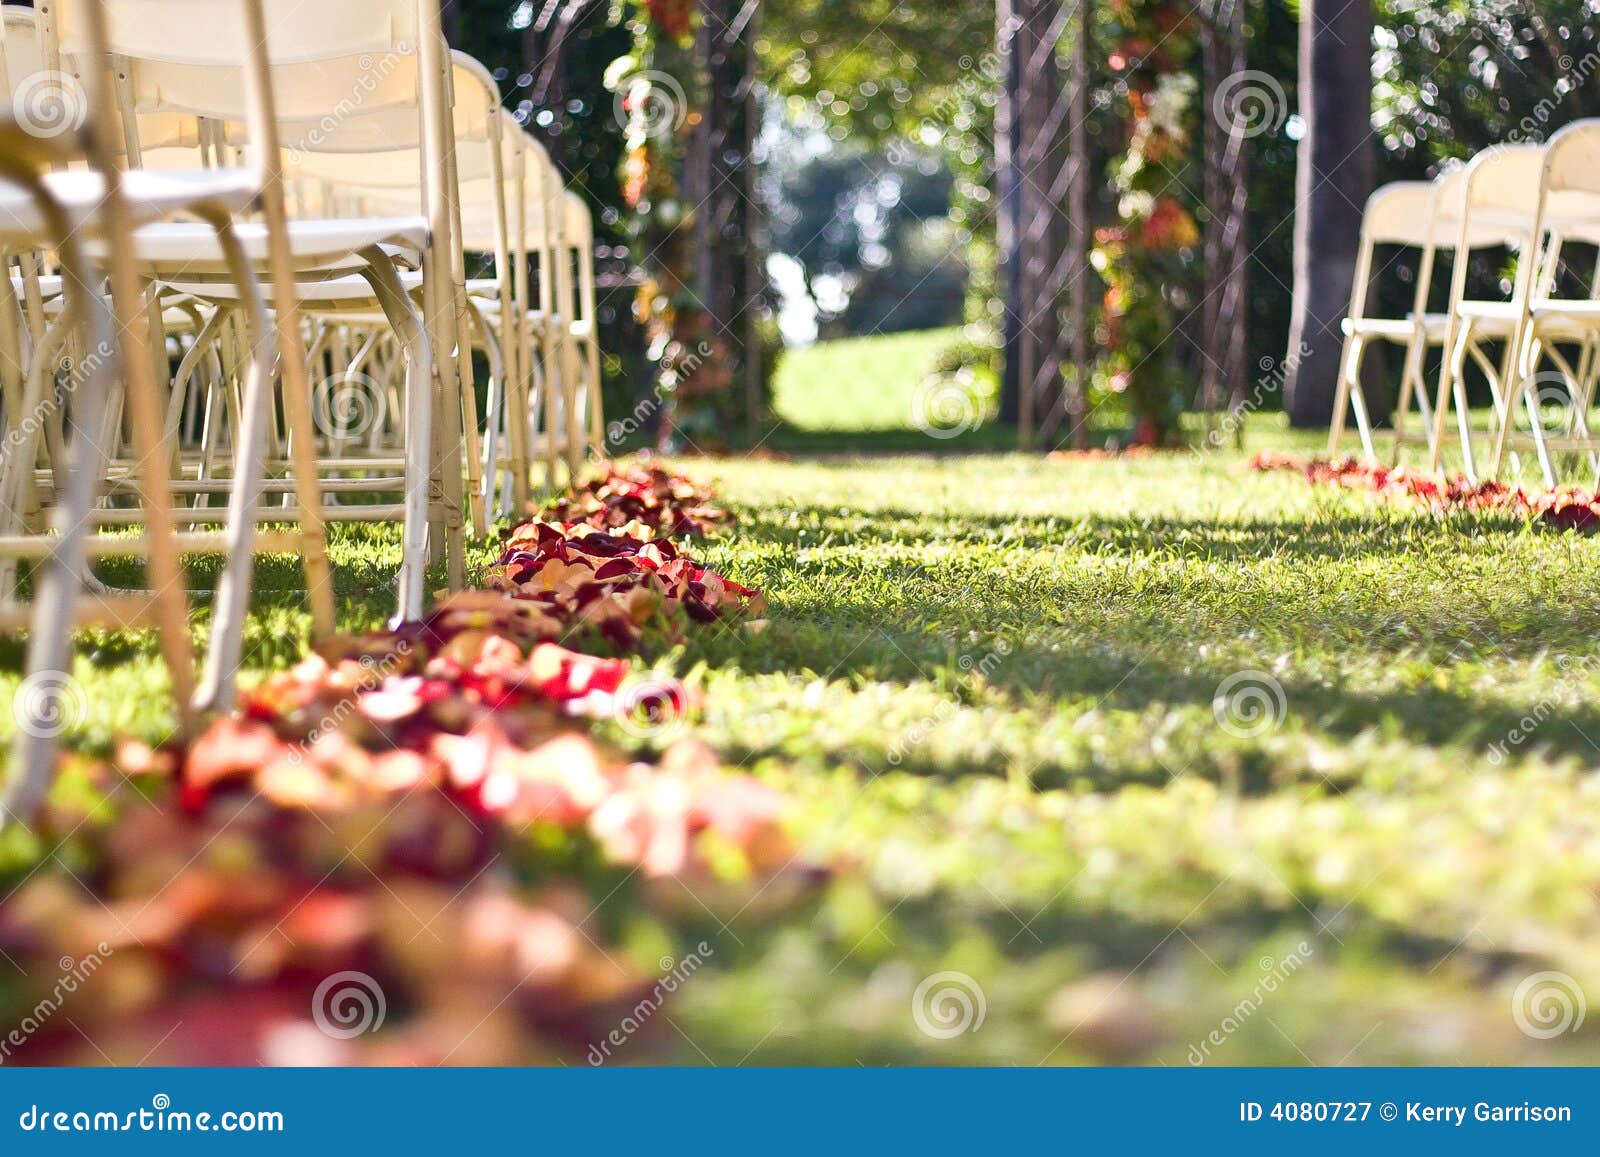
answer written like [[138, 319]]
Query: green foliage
[[1453, 78], [878, 67], [880, 226], [586, 142]]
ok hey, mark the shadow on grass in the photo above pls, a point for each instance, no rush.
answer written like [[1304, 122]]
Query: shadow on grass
[[1135, 640], [987, 439], [1032, 955]]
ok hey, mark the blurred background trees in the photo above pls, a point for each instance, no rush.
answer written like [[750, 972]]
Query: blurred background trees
[[876, 150]]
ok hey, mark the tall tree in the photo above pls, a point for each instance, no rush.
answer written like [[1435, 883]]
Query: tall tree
[[1335, 177]]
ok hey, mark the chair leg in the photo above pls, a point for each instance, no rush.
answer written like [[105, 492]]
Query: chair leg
[[418, 434], [1358, 403], [233, 588], [466, 381], [574, 419], [57, 584], [597, 421], [1505, 404], [33, 756], [494, 399], [30, 420], [1464, 429], [180, 400], [1410, 379], [552, 387]]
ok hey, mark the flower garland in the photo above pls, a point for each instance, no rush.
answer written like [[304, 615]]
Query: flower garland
[[649, 496], [1565, 508], [413, 815], [1144, 257]]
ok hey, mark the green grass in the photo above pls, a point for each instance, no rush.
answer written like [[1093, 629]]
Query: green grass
[[862, 395], [856, 384], [989, 684]]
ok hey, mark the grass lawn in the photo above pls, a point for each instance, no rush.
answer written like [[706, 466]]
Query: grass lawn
[[1171, 762], [863, 383]]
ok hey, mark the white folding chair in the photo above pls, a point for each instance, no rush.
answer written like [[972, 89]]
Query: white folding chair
[[69, 210], [1567, 208], [584, 327], [372, 159], [528, 422], [327, 65], [1494, 201], [1399, 214]]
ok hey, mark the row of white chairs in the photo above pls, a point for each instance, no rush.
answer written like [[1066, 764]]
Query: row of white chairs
[[238, 235], [1538, 346]]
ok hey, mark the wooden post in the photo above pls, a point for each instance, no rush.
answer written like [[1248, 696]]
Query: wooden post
[[1044, 178], [724, 187], [1223, 372]]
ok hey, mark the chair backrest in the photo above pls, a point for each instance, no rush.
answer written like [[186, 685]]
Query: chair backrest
[[23, 56], [1572, 181], [381, 148], [185, 55], [1449, 195], [1501, 189], [205, 32], [330, 63], [580, 238], [1398, 213], [578, 225]]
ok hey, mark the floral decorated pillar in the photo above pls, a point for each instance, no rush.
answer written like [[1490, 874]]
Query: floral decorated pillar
[[1145, 257]]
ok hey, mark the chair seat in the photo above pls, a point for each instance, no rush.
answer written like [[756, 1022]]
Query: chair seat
[[151, 195], [1495, 320], [173, 248], [1565, 319], [1397, 329], [49, 286], [490, 307], [352, 290], [1579, 310]]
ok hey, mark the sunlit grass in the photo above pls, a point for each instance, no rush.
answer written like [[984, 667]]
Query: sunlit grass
[[989, 683]]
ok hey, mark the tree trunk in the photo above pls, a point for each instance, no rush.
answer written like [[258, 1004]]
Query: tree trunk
[[1334, 179], [1006, 148]]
